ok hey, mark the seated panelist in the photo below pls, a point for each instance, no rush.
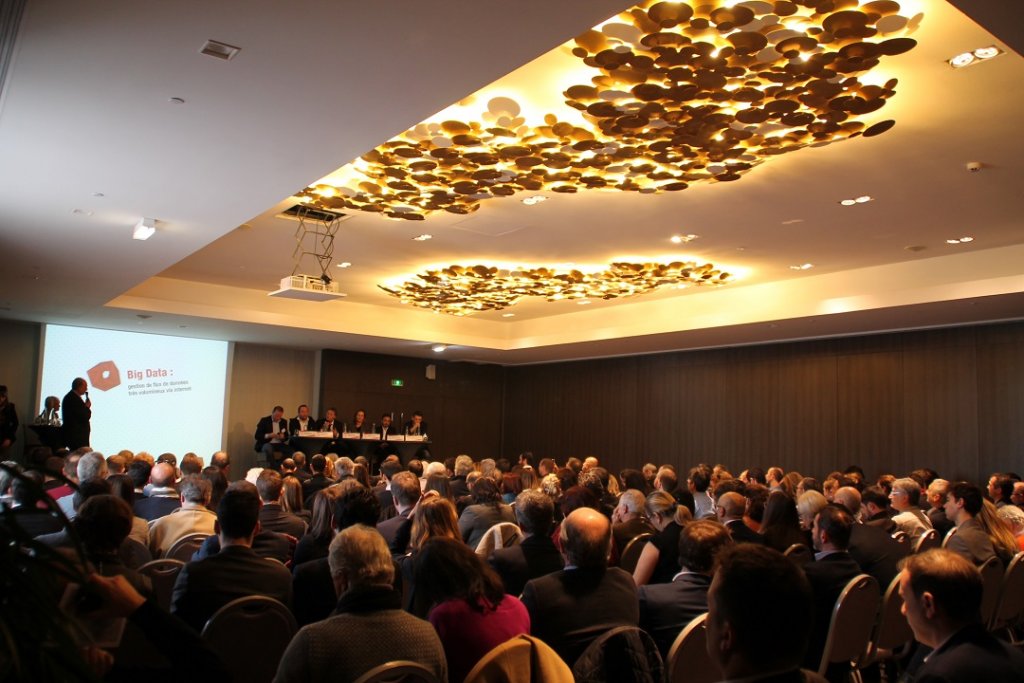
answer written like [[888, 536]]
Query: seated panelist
[[416, 426], [359, 422], [330, 424], [272, 437], [386, 428], [302, 422]]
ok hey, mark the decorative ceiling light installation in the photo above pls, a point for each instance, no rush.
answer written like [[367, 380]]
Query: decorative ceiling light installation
[[460, 290], [682, 92]]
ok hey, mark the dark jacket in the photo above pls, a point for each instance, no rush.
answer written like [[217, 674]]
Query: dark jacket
[[666, 608], [75, 415], [533, 558]]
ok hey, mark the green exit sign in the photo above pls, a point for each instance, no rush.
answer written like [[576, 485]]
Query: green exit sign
[[397, 383]]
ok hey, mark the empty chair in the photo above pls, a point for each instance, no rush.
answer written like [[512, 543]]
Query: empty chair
[[992, 582], [631, 553], [501, 535], [928, 540], [398, 672], [163, 573], [853, 620], [185, 547], [1010, 605], [251, 634], [523, 658], [625, 654], [688, 660], [799, 553]]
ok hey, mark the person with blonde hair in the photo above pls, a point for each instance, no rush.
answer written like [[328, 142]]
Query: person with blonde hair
[[659, 560]]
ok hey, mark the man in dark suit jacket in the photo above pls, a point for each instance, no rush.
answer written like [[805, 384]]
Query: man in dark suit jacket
[[536, 555], [941, 593], [405, 488], [730, 508], [666, 608], [271, 437], [570, 608], [318, 464], [302, 422], [272, 516], [875, 551], [832, 569], [628, 519], [163, 498], [204, 586], [76, 411], [963, 503]]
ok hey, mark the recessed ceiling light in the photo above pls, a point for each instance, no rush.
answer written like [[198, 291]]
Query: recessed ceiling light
[[960, 240], [802, 266], [422, 238], [508, 315], [977, 56], [681, 239], [535, 199], [344, 264], [863, 199], [438, 348], [176, 100], [215, 48], [144, 229], [584, 302]]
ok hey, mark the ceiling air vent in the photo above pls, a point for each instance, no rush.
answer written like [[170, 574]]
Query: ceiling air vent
[[215, 48], [303, 212]]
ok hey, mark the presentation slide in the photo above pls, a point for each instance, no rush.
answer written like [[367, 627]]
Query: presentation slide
[[149, 392]]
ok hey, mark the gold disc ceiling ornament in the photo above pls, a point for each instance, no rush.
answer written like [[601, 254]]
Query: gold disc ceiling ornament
[[462, 290], [683, 92]]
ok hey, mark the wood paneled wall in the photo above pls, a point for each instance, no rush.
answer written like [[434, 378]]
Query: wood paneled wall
[[462, 405], [951, 399]]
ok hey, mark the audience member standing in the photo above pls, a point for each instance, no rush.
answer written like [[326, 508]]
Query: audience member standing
[[8, 423], [76, 411]]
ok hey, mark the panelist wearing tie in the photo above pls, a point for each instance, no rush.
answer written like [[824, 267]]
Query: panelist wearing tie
[[416, 426], [330, 424], [302, 422], [272, 437]]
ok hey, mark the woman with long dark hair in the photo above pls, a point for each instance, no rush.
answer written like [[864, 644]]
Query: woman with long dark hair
[[486, 511], [780, 526], [469, 608]]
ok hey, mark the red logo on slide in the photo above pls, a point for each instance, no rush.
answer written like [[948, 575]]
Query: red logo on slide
[[104, 376]]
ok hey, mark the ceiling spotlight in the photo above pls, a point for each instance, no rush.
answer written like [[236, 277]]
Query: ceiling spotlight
[[438, 348], [344, 264], [862, 199], [802, 266], [960, 240], [508, 315], [535, 199], [585, 302], [987, 52], [961, 60], [848, 202], [857, 200], [681, 239], [974, 57], [422, 238], [144, 229]]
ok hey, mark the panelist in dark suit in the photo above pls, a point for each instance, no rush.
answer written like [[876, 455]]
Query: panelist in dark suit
[[570, 608], [302, 422], [204, 586], [941, 593], [666, 608], [387, 429], [832, 569], [76, 411], [416, 426], [536, 555], [330, 424], [272, 437]]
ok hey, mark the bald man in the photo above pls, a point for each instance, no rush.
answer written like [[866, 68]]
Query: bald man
[[570, 608], [874, 550], [163, 498], [730, 509]]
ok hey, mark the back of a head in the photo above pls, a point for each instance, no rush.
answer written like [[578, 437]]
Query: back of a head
[[92, 466], [89, 488], [103, 522], [139, 471], [361, 555], [218, 483], [191, 464], [876, 496], [25, 490], [633, 501], [390, 468], [169, 458], [269, 485], [970, 494], [836, 522], [344, 466], [435, 517], [699, 544], [71, 465], [909, 488], [116, 464], [357, 505], [847, 496], [732, 504], [405, 487], [435, 468], [534, 512], [447, 568], [632, 479], [576, 497], [463, 465], [416, 467], [318, 464], [666, 479], [485, 492], [726, 485], [220, 460], [780, 510], [743, 571], [586, 537], [238, 511], [953, 581], [163, 474], [195, 489], [659, 503]]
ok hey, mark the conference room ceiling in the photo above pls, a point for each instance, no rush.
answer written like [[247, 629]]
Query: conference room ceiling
[[93, 140]]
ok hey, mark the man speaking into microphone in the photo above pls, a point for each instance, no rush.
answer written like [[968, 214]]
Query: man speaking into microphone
[[76, 411]]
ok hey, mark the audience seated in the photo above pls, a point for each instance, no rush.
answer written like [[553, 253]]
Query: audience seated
[[272, 516], [192, 517], [536, 555], [659, 560], [321, 529], [103, 523], [628, 520], [666, 608], [486, 511], [744, 643], [571, 607], [368, 626], [24, 510], [729, 509], [936, 495], [405, 493], [941, 592], [206, 585], [122, 486], [434, 517], [91, 465], [319, 479], [875, 551], [471, 612], [963, 503], [161, 498], [780, 527], [905, 498]]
